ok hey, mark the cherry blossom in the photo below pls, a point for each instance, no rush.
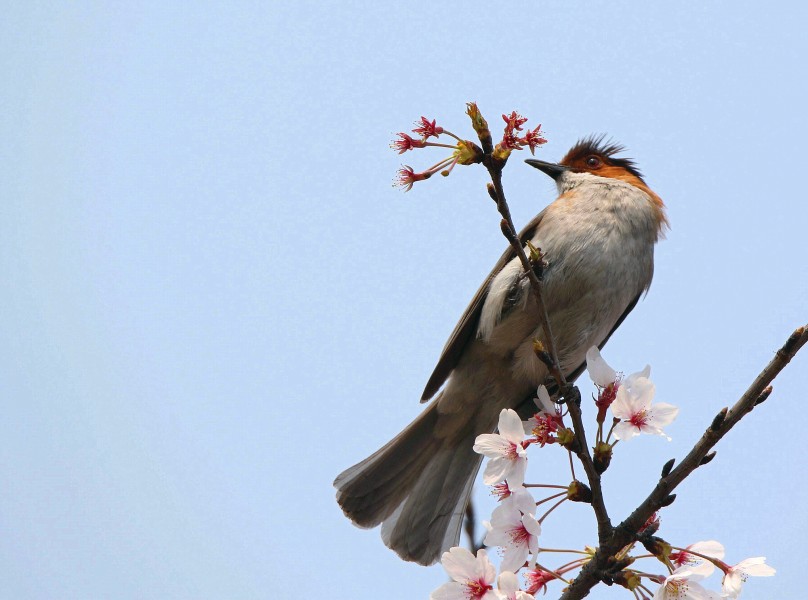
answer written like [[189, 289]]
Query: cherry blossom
[[543, 425], [694, 554], [633, 407], [473, 577], [605, 378], [508, 588], [406, 177], [516, 496], [534, 139], [601, 374], [506, 454], [427, 128], [516, 533], [682, 585], [405, 142], [537, 580], [734, 577]]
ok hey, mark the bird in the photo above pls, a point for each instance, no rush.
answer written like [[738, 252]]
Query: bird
[[597, 239]]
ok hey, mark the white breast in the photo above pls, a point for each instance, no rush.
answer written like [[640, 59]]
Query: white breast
[[598, 239]]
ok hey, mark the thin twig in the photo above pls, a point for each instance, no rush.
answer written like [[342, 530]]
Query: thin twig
[[582, 447], [495, 170]]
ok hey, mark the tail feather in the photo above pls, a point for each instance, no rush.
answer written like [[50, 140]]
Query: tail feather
[[417, 485], [436, 504], [371, 490]]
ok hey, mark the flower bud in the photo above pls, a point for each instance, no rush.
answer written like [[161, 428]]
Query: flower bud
[[479, 124], [602, 456], [627, 579], [566, 437], [579, 492], [657, 546]]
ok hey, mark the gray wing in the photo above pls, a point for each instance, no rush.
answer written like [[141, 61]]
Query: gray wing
[[466, 329]]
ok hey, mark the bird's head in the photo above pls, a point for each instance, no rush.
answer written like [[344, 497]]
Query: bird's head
[[596, 156]]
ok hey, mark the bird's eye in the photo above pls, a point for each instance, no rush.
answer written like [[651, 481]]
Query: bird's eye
[[593, 162]]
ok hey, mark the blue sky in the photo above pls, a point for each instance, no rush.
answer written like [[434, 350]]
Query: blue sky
[[214, 300]]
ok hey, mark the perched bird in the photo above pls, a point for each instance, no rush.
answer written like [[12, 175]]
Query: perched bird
[[598, 241]]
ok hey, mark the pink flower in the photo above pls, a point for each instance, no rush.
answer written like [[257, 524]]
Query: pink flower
[[605, 378], [601, 374], [516, 533], [734, 577], [537, 580], [533, 139], [514, 121], [405, 143], [473, 577], [681, 585], [508, 588], [506, 454], [427, 129], [694, 553], [516, 496], [406, 177], [544, 423], [632, 405]]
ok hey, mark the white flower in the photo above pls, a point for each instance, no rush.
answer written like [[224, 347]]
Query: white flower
[[544, 423], [516, 533], [690, 556], [602, 374], [633, 407], [735, 576], [507, 457], [516, 496], [681, 585], [544, 403], [473, 577], [508, 588]]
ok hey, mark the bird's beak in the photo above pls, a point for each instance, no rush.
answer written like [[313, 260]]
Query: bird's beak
[[553, 170]]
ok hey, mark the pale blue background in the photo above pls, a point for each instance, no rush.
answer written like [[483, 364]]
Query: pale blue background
[[213, 301]]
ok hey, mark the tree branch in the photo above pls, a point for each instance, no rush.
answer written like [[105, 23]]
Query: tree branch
[[625, 533]]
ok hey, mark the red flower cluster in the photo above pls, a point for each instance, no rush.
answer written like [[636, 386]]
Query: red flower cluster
[[537, 580], [544, 427], [464, 152], [511, 141]]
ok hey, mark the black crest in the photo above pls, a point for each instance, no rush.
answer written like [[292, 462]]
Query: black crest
[[605, 149]]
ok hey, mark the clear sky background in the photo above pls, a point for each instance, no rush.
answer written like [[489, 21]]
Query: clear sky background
[[213, 301]]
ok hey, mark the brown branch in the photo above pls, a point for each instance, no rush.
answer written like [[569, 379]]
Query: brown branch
[[582, 451], [625, 533]]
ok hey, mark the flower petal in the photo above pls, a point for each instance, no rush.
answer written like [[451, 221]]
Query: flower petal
[[507, 583], [544, 402], [522, 500], [496, 470], [491, 445], [510, 426], [625, 431], [460, 564], [709, 548], [531, 524], [756, 567], [662, 414], [450, 591], [601, 373]]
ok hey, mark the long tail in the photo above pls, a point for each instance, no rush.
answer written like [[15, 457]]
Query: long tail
[[417, 486]]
